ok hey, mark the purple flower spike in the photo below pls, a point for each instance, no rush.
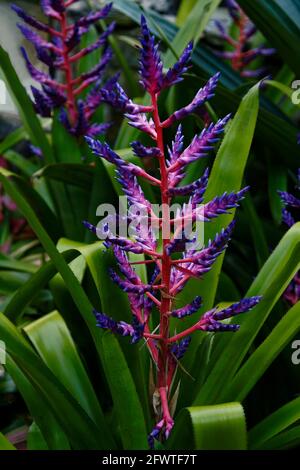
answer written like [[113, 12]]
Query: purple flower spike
[[144, 152], [203, 95], [103, 150], [220, 205], [179, 350], [124, 243], [124, 265], [30, 20], [35, 73], [122, 328], [188, 309], [201, 144], [114, 95], [132, 189], [235, 309], [197, 188], [177, 146], [34, 37], [53, 8], [140, 121], [43, 104], [127, 286], [174, 74], [287, 218], [240, 53], [289, 199], [292, 293], [178, 244], [94, 16], [155, 434], [211, 320], [150, 63], [200, 262]]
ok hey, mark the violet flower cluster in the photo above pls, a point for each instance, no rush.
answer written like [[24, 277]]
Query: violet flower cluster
[[290, 215], [61, 52], [170, 273], [241, 55]]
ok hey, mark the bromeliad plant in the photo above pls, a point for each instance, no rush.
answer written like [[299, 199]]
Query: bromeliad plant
[[61, 52], [241, 54], [86, 388], [170, 274]]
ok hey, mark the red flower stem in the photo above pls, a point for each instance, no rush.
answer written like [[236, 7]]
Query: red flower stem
[[150, 178], [149, 335], [155, 300], [184, 333], [54, 32], [184, 260], [71, 102], [165, 267], [165, 408], [237, 61], [179, 284]]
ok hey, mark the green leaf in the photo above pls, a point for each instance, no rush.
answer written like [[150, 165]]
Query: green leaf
[[184, 10], [69, 173], [29, 118], [284, 89], [28, 291], [274, 424], [5, 444], [80, 429], [80, 298], [20, 191], [286, 440], [126, 402], [98, 261], [12, 139], [20, 162], [66, 147], [35, 439], [38, 408], [258, 236], [7, 262], [193, 27], [53, 342], [217, 427], [252, 370]]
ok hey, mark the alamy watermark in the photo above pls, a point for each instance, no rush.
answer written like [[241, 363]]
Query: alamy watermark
[[3, 93], [296, 354], [2, 353], [177, 222], [296, 94]]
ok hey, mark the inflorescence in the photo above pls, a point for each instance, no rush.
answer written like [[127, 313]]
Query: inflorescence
[[170, 273], [58, 47], [241, 55]]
